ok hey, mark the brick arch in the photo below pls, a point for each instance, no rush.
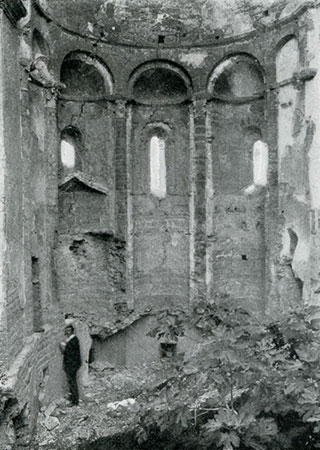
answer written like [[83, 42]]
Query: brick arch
[[146, 83], [237, 76], [287, 57], [95, 73]]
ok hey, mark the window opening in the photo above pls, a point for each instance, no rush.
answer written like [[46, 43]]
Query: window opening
[[157, 167], [260, 163], [68, 154], [168, 349]]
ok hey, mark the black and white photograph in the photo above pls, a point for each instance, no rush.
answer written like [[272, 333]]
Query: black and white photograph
[[159, 224]]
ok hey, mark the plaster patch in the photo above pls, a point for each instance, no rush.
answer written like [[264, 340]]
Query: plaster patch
[[195, 59]]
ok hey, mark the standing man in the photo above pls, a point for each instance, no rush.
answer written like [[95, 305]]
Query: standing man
[[71, 362]]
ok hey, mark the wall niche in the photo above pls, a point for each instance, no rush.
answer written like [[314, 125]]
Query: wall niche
[[84, 206]]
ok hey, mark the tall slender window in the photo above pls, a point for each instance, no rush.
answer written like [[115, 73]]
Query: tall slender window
[[260, 163], [158, 167], [71, 143], [68, 154]]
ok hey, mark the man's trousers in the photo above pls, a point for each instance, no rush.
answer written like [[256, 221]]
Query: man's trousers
[[73, 387]]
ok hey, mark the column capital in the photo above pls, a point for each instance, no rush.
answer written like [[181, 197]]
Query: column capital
[[14, 10], [120, 108], [199, 107]]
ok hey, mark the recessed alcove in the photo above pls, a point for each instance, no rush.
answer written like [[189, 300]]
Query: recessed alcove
[[239, 76], [85, 76], [159, 85], [160, 82]]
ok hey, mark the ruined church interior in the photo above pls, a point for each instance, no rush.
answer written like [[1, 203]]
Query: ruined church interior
[[154, 154]]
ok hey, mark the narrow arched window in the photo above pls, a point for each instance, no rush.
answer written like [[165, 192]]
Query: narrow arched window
[[260, 163], [70, 146], [158, 182], [68, 154]]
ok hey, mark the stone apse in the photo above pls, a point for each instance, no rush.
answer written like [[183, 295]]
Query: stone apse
[[155, 165]]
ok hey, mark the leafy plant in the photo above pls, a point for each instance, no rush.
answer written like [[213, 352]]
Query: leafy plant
[[253, 382]]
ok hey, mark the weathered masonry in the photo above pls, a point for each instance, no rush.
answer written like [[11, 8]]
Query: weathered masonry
[[149, 164]]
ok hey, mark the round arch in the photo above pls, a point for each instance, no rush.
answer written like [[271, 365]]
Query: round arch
[[160, 82], [89, 72], [237, 76], [283, 41], [287, 57]]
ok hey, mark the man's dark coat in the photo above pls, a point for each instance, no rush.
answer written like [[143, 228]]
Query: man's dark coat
[[72, 358]]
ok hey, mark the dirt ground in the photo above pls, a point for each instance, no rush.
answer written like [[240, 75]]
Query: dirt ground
[[109, 407]]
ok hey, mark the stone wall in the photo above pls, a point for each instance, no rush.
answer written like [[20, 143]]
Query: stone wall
[[299, 163], [208, 237], [161, 226], [12, 264], [31, 367], [132, 346]]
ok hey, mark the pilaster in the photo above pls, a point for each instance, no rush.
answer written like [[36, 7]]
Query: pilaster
[[198, 201]]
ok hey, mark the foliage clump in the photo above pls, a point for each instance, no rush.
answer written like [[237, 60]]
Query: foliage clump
[[252, 383]]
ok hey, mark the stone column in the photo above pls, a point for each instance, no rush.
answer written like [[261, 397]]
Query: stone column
[[198, 201]]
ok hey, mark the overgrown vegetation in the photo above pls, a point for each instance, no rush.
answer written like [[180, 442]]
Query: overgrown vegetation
[[252, 384]]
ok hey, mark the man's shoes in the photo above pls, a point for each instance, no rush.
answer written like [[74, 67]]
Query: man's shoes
[[70, 405]]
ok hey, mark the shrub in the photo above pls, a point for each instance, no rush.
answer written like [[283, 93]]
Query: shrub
[[253, 382]]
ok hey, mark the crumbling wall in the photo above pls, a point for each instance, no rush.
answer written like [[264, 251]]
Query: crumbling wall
[[205, 21], [307, 267], [295, 137], [132, 346], [32, 317], [12, 264], [84, 209], [236, 249], [91, 274], [90, 260]]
